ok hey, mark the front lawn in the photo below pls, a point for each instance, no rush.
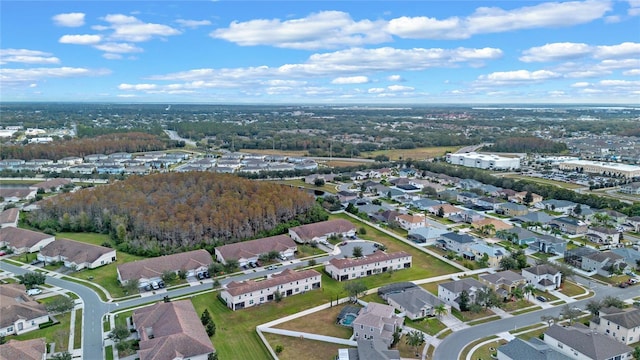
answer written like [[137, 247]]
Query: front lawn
[[471, 316], [322, 322], [293, 348], [571, 289], [510, 306], [58, 333], [428, 325]]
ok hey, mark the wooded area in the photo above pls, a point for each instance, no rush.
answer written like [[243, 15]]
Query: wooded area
[[168, 212], [528, 145], [104, 144]]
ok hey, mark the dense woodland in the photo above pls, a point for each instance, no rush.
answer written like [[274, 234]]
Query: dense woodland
[[528, 145], [169, 212], [104, 144]]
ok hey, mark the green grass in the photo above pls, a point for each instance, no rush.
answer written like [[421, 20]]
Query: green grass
[[545, 181], [89, 238], [484, 320], [430, 325], [88, 284], [106, 325], [485, 351], [57, 333], [444, 334], [571, 289], [522, 311], [293, 347], [467, 349], [77, 335], [108, 353]]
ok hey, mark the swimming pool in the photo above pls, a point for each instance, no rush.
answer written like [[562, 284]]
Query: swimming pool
[[348, 319]]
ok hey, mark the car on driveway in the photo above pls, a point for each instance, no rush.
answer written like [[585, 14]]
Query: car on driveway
[[34, 291], [541, 298], [271, 267]]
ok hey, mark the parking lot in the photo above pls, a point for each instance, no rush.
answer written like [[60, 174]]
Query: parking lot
[[368, 247]]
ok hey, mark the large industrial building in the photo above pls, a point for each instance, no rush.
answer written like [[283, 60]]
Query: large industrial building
[[484, 161], [603, 168]]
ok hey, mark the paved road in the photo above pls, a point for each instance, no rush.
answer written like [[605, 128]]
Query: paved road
[[452, 345]]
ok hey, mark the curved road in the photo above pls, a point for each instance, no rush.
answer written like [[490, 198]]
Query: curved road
[[452, 345]]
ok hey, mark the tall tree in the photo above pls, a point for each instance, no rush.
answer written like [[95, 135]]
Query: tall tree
[[415, 339]]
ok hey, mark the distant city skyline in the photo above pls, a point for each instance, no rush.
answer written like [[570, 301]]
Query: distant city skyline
[[321, 52]]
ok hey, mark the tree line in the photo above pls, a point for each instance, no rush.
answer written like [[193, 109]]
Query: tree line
[[528, 145], [170, 212]]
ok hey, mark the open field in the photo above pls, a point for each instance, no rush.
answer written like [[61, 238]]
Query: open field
[[537, 180], [294, 347], [321, 322], [415, 154], [327, 187]]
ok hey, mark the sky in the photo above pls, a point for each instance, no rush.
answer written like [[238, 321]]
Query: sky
[[321, 52]]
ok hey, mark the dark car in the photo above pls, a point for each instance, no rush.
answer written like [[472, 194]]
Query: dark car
[[147, 287], [207, 275], [623, 285], [541, 298], [161, 284], [200, 275]]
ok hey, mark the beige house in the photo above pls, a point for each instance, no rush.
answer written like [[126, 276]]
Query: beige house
[[23, 240], [249, 251], [148, 270], [503, 282], [322, 231], [411, 222], [379, 262], [9, 218], [377, 322], [240, 295], [20, 313], [171, 330], [619, 324], [78, 255], [34, 349], [519, 198]]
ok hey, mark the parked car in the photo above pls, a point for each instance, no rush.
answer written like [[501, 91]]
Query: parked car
[[147, 287], [200, 276], [34, 291], [541, 298], [206, 274], [161, 284], [271, 267], [154, 285], [623, 285], [2, 253]]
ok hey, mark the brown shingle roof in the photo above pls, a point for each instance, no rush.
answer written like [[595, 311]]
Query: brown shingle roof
[[171, 330], [236, 288], [378, 256], [15, 304], [32, 349], [21, 238], [310, 231], [154, 267], [446, 208], [9, 216], [75, 251], [53, 183], [256, 247]]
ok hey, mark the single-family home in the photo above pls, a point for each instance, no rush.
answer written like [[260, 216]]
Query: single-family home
[[512, 209], [249, 251], [322, 231], [77, 255], [148, 270], [569, 225], [616, 216], [410, 222], [70, 160], [634, 221], [535, 217], [377, 322], [426, 235], [447, 211], [171, 330], [378, 262], [520, 196], [579, 342], [9, 218], [240, 295], [532, 349], [489, 203], [23, 240], [631, 256], [562, 206], [459, 243], [622, 325], [20, 313], [17, 194], [51, 185], [368, 349], [33, 349], [603, 235], [490, 223], [467, 197], [423, 204], [603, 262], [544, 277], [537, 242], [468, 216], [630, 188], [503, 282], [495, 253], [450, 291], [410, 299]]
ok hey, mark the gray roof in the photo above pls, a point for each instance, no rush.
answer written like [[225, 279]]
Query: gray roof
[[502, 277], [558, 203], [534, 349], [630, 255], [513, 206], [541, 269], [427, 232], [458, 286], [374, 350], [413, 300], [395, 287], [582, 339], [628, 318], [536, 216], [459, 238], [567, 220]]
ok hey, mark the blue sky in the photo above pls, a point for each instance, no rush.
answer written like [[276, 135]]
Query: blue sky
[[279, 52]]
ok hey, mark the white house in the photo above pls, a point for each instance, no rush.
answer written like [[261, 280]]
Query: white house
[[23, 240], [249, 251], [151, 269], [20, 313], [543, 277], [78, 255], [410, 222], [322, 230], [379, 262]]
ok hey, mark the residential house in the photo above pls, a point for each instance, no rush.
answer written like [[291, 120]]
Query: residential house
[[490, 223], [603, 262], [490, 189], [421, 183], [171, 330], [34, 349], [416, 303], [23, 240], [631, 257], [9, 217], [448, 195], [387, 216], [544, 277], [469, 184], [467, 198], [489, 203], [569, 225], [532, 349], [575, 256], [616, 216], [343, 269], [95, 157], [240, 295], [51, 185], [410, 222], [322, 231], [346, 195], [456, 242], [17, 194], [603, 235], [535, 217], [368, 349], [495, 253], [311, 179], [631, 188], [503, 282], [77, 255], [519, 198], [448, 210], [579, 342], [470, 216], [423, 204], [70, 160], [20, 313], [562, 206], [148, 270], [425, 235], [512, 209], [538, 242], [622, 325], [377, 322], [249, 251], [450, 292], [634, 222]]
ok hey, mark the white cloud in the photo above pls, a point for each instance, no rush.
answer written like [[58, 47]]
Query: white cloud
[[327, 29], [624, 83], [26, 56], [192, 23], [35, 74], [350, 80], [80, 39], [112, 56], [118, 48], [580, 84], [555, 52], [423, 27], [397, 88], [130, 28], [139, 87], [375, 90], [397, 78], [69, 19], [516, 77], [634, 8], [632, 72], [626, 49]]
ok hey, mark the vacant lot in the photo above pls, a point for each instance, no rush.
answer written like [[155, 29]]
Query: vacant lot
[[295, 348], [415, 154], [321, 322]]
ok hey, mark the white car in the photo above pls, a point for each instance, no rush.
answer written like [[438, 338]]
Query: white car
[[34, 291]]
